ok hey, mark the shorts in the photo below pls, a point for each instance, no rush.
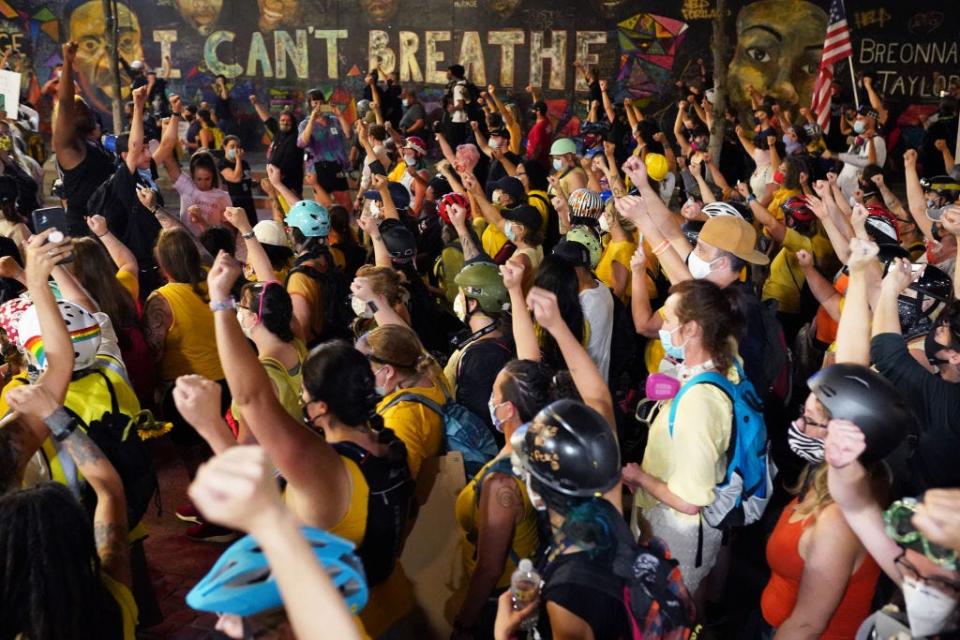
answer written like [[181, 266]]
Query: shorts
[[330, 176], [681, 534]]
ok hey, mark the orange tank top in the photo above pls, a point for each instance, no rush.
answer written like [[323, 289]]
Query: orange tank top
[[786, 570]]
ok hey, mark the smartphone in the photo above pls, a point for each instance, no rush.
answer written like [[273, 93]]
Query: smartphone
[[51, 218]]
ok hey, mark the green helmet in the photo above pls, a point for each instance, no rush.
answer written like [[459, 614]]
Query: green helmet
[[481, 281], [587, 238]]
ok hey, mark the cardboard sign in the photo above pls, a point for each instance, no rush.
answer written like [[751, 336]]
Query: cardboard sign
[[10, 92]]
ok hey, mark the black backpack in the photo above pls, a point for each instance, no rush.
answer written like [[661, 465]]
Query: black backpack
[[623, 350], [388, 507], [117, 436], [104, 198], [338, 316]]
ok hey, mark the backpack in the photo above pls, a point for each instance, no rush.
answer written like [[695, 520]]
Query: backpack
[[743, 494], [117, 436], [777, 365], [335, 292], [623, 349], [645, 578], [391, 494], [463, 431], [553, 224], [103, 199]]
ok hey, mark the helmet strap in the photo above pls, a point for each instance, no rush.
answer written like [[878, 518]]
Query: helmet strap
[[476, 335]]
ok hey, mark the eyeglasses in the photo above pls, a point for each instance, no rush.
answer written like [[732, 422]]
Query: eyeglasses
[[807, 422], [899, 525], [940, 583]]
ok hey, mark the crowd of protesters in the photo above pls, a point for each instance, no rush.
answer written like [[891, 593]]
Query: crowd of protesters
[[706, 378]]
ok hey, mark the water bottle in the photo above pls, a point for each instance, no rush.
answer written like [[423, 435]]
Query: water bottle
[[524, 589]]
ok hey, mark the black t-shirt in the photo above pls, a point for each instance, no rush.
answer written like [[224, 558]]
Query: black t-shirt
[[936, 402], [221, 109], [193, 131], [605, 615], [286, 155], [478, 368], [129, 220], [753, 341], [496, 171], [80, 182], [238, 190]]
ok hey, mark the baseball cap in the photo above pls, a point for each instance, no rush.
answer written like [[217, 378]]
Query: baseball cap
[[398, 192], [510, 186], [271, 232], [525, 214], [733, 235]]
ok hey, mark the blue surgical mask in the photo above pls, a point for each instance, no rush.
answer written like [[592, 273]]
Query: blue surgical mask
[[859, 126], [378, 389], [230, 154], [558, 164], [494, 420], [677, 352], [509, 231]]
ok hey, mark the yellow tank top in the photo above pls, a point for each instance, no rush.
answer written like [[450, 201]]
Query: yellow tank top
[[190, 345], [526, 538], [391, 599]]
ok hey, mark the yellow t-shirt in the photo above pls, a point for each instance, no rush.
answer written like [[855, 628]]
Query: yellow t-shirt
[[538, 199], [190, 345], [786, 278], [566, 182], [516, 137], [693, 460], [492, 240], [129, 282], [125, 601], [620, 252], [286, 382], [419, 427], [781, 195]]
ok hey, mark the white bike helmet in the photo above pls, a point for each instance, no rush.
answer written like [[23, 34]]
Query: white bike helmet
[[83, 328]]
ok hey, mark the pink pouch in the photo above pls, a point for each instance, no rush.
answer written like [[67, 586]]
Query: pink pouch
[[660, 386]]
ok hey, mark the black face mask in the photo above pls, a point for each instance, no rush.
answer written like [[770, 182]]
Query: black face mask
[[931, 348]]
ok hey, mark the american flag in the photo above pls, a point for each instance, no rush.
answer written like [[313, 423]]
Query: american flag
[[836, 47]]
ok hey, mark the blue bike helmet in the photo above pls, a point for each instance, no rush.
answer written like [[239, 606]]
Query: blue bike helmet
[[310, 217], [242, 583]]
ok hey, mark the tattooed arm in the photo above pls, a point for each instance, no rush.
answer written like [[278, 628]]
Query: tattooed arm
[[157, 320], [110, 517], [501, 506]]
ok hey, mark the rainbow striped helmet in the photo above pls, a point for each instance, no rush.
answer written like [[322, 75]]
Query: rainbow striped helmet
[[82, 326]]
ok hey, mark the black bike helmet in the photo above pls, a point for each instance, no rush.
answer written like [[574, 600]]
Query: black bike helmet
[[861, 395], [944, 186], [691, 230], [886, 255], [917, 314], [570, 449], [400, 241]]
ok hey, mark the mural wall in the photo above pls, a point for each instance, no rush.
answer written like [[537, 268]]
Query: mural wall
[[279, 48]]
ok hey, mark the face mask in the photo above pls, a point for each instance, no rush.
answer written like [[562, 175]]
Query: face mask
[[409, 159], [677, 352], [405, 102], [230, 154], [497, 422], [698, 267], [360, 308], [793, 147], [804, 446], [535, 498], [931, 348], [285, 128], [375, 208], [493, 144], [559, 164], [246, 327], [859, 127], [928, 610], [604, 225], [778, 177], [379, 389], [460, 308], [660, 386], [509, 231]]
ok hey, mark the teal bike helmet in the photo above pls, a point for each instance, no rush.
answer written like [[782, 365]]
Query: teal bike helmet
[[242, 583], [310, 217]]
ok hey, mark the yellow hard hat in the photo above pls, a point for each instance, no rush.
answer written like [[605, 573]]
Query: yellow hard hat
[[657, 166]]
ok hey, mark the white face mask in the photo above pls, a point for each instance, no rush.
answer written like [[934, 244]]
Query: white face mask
[[509, 231], [405, 102], [559, 164], [699, 268], [375, 207], [929, 611], [409, 159], [460, 308], [493, 143], [535, 498], [604, 224], [360, 308]]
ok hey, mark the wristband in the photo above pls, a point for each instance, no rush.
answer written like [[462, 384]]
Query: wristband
[[751, 198], [660, 248], [223, 305], [61, 424], [249, 235]]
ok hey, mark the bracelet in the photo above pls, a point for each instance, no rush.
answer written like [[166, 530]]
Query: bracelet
[[660, 248], [751, 198], [103, 234], [223, 305], [249, 235], [61, 424]]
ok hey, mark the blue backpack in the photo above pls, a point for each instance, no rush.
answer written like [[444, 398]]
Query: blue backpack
[[463, 430], [743, 494]]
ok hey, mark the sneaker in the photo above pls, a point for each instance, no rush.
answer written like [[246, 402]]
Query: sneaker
[[188, 513], [206, 532]]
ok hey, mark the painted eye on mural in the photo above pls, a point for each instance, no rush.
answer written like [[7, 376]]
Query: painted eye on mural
[[810, 68], [758, 54], [90, 45]]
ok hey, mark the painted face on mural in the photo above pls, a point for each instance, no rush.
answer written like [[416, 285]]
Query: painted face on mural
[[275, 13], [379, 10], [87, 27], [779, 43], [503, 8], [200, 14]]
